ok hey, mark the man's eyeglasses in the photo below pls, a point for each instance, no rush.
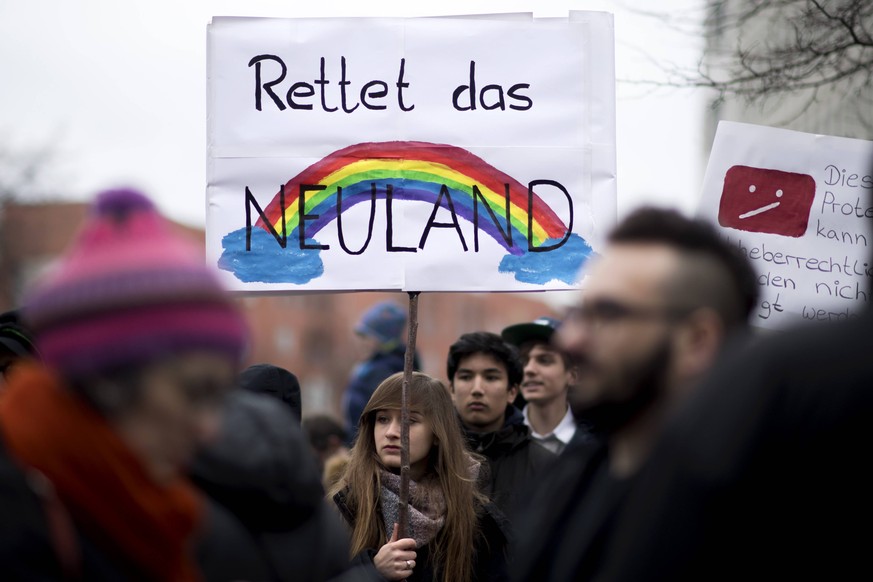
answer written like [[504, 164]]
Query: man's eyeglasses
[[603, 313]]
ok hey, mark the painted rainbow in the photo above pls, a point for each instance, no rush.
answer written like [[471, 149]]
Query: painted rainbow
[[407, 170]]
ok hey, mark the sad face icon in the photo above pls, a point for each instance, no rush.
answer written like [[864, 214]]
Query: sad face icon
[[764, 200]]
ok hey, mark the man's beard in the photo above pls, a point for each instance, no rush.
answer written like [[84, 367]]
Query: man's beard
[[648, 381]]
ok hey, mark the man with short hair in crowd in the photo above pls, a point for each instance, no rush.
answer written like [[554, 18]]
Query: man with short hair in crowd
[[655, 310], [484, 374], [548, 374]]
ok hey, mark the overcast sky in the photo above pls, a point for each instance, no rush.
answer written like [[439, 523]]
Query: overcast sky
[[119, 90]]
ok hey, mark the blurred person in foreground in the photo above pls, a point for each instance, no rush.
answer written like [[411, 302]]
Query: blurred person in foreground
[[139, 343], [455, 534], [261, 469], [379, 338], [655, 310], [762, 474]]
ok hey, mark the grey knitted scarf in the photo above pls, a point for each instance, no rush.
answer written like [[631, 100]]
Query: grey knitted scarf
[[427, 507]]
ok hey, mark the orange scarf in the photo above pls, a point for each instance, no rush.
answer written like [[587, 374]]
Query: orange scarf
[[100, 481]]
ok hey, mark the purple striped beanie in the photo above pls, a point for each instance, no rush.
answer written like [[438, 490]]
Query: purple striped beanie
[[128, 291]]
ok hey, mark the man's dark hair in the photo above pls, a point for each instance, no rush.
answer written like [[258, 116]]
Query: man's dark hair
[[490, 344], [713, 272], [320, 427], [570, 359]]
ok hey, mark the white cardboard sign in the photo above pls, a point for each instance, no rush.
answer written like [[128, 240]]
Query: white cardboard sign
[[430, 154], [800, 206]]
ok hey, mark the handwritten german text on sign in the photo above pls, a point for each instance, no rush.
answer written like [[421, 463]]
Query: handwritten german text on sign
[[800, 206], [418, 154]]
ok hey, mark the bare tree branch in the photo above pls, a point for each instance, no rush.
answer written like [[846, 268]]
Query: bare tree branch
[[27, 172], [760, 49]]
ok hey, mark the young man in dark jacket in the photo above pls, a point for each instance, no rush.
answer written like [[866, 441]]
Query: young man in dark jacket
[[484, 374]]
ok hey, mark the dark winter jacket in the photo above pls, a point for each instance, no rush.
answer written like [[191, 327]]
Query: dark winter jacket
[[568, 518], [261, 470], [764, 471], [489, 552], [513, 459], [32, 550], [26, 549], [366, 377]]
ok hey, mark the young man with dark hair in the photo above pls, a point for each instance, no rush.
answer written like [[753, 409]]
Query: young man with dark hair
[[657, 305], [548, 374], [484, 374]]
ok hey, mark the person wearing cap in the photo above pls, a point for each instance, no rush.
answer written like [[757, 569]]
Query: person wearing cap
[[16, 344], [484, 374], [380, 341], [276, 382], [657, 306], [139, 343], [548, 374]]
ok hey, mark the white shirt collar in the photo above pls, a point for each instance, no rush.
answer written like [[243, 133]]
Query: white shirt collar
[[563, 432]]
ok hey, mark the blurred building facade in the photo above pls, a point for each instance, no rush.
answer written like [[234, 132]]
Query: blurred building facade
[[841, 108], [309, 334]]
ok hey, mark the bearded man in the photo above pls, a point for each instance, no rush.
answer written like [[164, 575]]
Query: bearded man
[[656, 307]]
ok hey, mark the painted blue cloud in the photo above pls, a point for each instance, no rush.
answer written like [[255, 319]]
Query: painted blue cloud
[[562, 263], [267, 261]]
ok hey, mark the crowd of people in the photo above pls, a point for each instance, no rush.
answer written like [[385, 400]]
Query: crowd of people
[[646, 434]]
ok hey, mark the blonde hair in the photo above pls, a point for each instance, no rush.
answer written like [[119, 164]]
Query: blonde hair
[[449, 461], [334, 467]]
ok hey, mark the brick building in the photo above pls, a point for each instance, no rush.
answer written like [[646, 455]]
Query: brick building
[[309, 334]]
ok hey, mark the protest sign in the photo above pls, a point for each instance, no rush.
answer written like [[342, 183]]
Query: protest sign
[[799, 206], [429, 154]]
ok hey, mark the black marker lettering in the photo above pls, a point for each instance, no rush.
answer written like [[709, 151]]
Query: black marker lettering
[[250, 201], [302, 217], [268, 87]]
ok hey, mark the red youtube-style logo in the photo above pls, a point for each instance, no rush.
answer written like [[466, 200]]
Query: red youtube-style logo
[[763, 200]]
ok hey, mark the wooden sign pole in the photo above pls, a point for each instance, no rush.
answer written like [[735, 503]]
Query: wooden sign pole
[[412, 330]]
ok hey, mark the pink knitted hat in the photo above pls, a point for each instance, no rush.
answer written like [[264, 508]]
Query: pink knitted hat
[[127, 291]]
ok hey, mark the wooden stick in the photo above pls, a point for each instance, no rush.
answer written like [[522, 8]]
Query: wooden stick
[[409, 361]]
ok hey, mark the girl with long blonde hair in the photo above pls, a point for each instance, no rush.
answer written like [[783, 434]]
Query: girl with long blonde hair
[[455, 534]]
